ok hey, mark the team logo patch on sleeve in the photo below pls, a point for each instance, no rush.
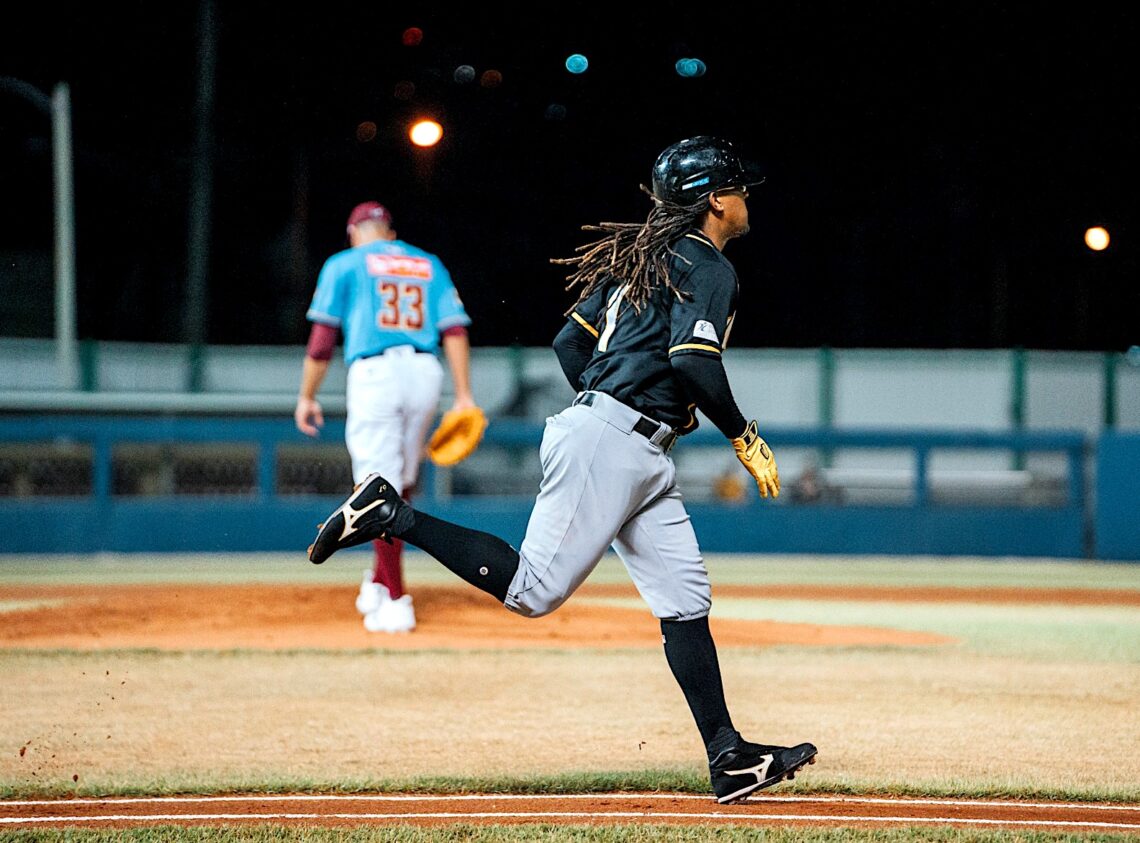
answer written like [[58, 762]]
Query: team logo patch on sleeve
[[705, 331]]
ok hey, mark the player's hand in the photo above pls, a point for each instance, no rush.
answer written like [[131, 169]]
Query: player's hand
[[309, 416], [462, 402], [757, 457]]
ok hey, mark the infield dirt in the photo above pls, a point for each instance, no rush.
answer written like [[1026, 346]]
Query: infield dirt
[[119, 684]]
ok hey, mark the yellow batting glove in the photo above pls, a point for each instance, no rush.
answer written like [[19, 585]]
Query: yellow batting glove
[[757, 457]]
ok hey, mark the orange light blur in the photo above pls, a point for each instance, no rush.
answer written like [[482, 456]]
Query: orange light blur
[[366, 131], [1096, 238], [425, 133]]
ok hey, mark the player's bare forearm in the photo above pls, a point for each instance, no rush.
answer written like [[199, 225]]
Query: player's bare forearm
[[308, 414], [457, 350], [312, 376]]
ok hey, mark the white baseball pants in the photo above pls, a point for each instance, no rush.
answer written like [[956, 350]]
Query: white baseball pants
[[392, 400], [606, 484]]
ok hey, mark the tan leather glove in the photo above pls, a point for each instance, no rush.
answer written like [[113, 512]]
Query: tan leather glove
[[457, 436], [757, 458]]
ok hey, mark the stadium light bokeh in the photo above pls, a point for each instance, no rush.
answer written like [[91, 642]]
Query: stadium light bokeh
[[690, 68], [1096, 238], [425, 133], [577, 63]]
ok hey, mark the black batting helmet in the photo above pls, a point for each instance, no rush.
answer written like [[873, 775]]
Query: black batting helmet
[[695, 167]]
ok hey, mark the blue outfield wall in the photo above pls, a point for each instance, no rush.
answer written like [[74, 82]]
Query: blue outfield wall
[[1103, 526], [246, 525], [1117, 524]]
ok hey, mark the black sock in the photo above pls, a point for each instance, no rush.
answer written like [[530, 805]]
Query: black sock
[[691, 654], [485, 561]]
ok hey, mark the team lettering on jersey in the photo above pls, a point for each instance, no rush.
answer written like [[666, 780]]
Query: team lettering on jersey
[[398, 266]]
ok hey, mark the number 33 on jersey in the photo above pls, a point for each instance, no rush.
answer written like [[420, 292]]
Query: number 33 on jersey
[[386, 293]]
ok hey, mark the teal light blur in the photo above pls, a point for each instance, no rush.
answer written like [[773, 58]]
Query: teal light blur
[[690, 68], [577, 63]]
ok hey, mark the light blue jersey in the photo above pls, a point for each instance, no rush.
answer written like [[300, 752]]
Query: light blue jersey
[[386, 293]]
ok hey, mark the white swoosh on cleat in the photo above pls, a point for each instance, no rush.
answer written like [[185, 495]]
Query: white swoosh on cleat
[[760, 770], [351, 516]]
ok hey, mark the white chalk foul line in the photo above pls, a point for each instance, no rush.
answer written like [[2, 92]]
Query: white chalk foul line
[[756, 818], [472, 797]]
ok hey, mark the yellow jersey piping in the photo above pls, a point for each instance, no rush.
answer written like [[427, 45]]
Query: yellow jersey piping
[[585, 324]]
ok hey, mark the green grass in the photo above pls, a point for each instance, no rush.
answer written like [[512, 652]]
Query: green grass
[[1023, 631], [634, 781], [723, 568], [920, 571]]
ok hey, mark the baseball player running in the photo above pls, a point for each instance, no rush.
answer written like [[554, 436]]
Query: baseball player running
[[394, 304], [642, 346]]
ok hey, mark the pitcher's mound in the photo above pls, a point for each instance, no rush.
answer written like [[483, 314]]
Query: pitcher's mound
[[268, 616]]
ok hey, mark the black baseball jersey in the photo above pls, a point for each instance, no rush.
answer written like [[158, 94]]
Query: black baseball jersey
[[631, 357]]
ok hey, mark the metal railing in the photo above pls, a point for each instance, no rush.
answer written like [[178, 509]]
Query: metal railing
[[95, 449]]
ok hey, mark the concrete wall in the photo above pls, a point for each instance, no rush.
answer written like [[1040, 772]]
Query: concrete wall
[[781, 387]]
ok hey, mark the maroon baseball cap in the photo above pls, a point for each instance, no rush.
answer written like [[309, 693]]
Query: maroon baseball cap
[[369, 211]]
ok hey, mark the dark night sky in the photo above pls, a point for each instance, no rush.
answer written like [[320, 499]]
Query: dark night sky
[[932, 167]]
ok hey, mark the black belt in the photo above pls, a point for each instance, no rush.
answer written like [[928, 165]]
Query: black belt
[[381, 352], [645, 425]]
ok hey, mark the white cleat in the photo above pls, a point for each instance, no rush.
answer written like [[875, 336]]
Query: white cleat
[[392, 616], [372, 595]]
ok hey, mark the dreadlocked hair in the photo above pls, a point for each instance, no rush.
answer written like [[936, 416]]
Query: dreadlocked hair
[[636, 254]]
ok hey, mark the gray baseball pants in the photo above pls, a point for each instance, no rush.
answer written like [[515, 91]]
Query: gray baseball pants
[[604, 483]]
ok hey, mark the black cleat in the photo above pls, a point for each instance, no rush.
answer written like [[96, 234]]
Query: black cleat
[[747, 767], [369, 513]]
